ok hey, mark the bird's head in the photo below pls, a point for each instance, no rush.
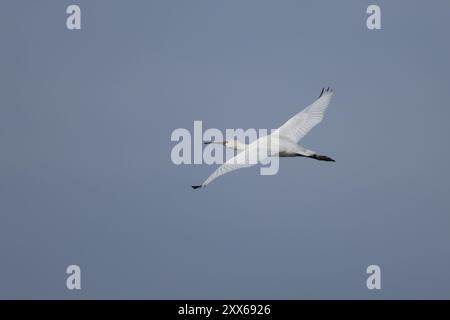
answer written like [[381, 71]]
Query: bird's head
[[233, 144], [228, 143]]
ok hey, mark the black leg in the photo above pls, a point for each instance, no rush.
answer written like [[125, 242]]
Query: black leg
[[321, 158]]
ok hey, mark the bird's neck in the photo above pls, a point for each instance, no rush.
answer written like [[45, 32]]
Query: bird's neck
[[238, 145]]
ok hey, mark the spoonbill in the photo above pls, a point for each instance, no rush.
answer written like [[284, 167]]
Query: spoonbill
[[283, 142]]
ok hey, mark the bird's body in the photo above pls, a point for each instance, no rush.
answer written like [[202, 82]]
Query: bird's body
[[288, 148], [283, 142]]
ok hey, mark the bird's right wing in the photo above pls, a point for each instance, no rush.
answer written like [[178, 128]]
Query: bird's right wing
[[245, 159], [299, 125]]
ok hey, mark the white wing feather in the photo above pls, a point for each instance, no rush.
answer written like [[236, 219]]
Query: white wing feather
[[299, 125], [247, 158]]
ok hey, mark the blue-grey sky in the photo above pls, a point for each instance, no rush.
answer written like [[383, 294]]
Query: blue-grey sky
[[86, 176]]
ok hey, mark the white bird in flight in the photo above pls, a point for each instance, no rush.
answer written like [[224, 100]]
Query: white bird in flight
[[283, 142]]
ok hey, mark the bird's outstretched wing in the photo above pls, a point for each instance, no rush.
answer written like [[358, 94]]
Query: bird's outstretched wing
[[299, 125], [247, 158]]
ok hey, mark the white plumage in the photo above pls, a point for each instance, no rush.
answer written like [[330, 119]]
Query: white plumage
[[283, 142]]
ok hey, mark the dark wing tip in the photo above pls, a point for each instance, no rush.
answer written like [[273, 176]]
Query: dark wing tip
[[196, 187], [321, 93], [326, 90]]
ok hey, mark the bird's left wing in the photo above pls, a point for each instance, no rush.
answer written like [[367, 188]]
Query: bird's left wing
[[245, 159], [299, 125]]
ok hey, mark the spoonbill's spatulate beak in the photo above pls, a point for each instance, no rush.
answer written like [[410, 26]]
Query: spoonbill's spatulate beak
[[209, 142]]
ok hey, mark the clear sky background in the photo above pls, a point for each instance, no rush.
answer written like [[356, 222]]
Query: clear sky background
[[86, 176]]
